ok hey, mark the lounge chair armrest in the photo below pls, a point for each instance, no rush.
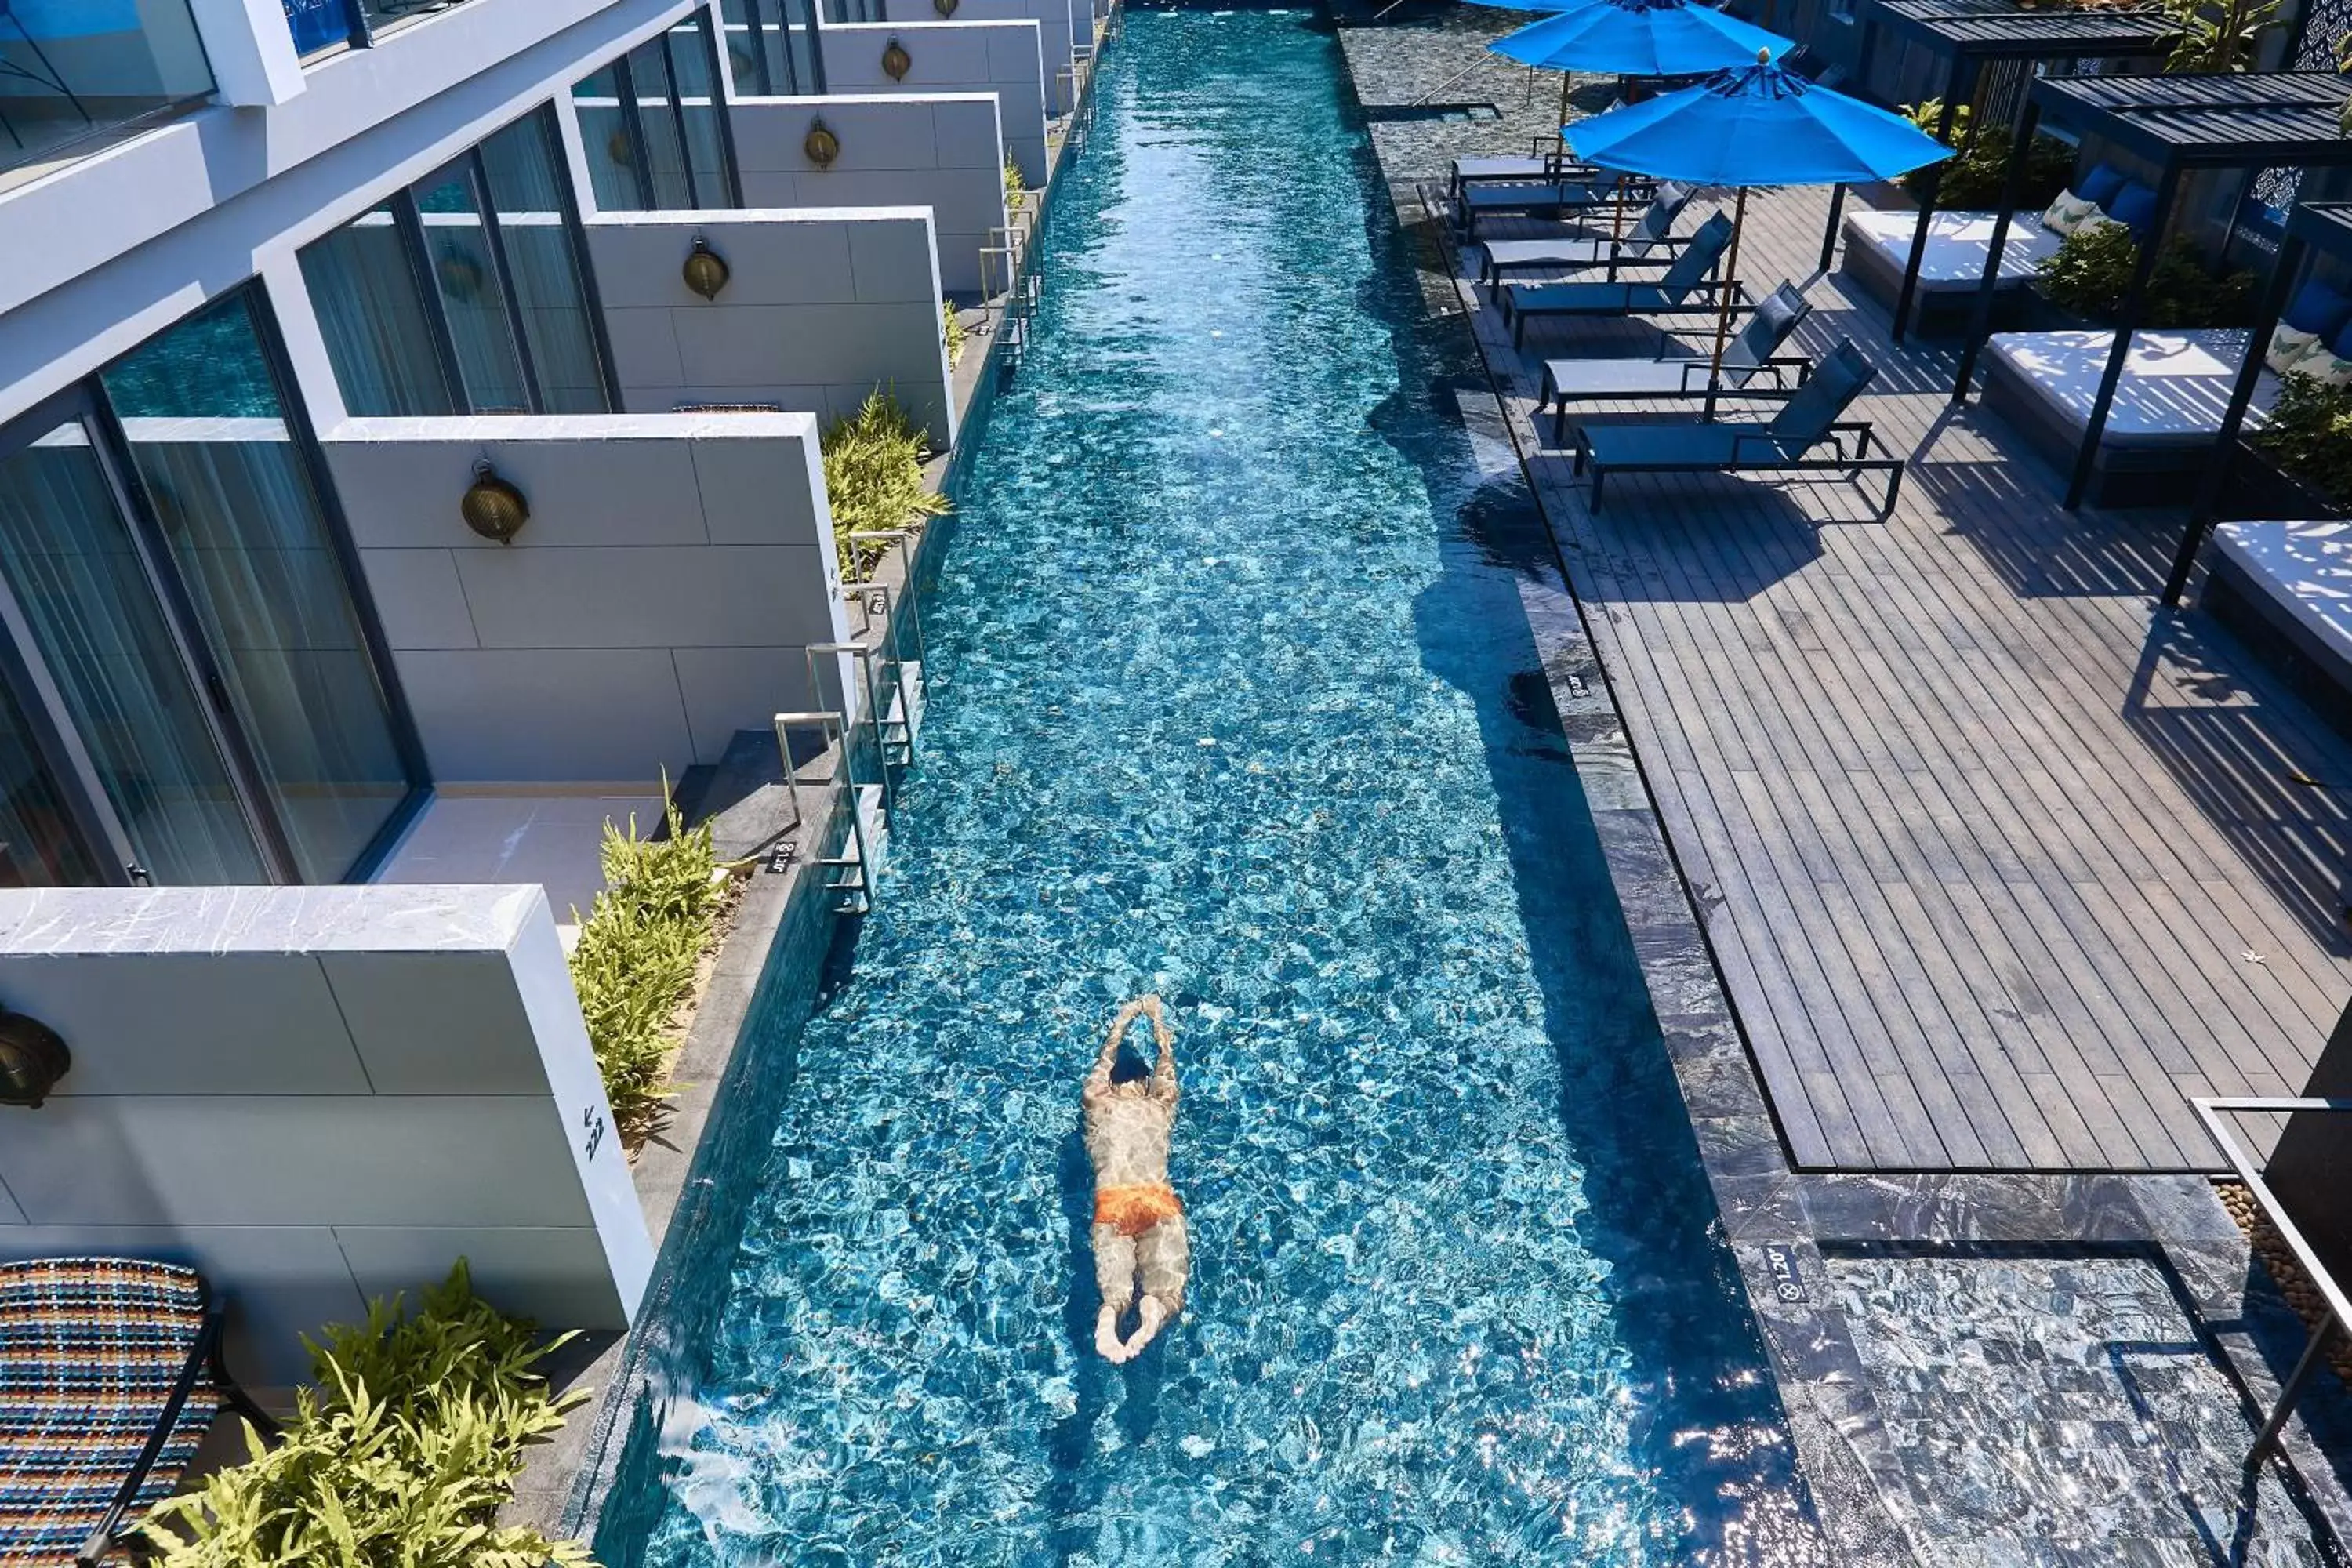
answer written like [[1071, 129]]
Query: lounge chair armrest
[[1765, 446], [1860, 430]]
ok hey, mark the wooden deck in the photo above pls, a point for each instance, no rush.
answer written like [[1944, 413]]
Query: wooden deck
[[2000, 865]]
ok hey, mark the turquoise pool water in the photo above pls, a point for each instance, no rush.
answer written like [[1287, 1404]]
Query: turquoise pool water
[[1233, 698]]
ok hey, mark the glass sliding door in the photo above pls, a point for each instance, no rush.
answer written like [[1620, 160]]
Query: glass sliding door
[[772, 47], [255, 570], [522, 167], [41, 844], [380, 337], [654, 125], [467, 293], [85, 611]]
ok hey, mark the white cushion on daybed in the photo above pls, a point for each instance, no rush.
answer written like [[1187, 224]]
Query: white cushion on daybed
[[1954, 256], [2304, 568], [2175, 388]]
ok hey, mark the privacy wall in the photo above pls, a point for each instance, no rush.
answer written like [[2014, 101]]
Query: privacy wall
[[821, 305], [318, 1095], [1061, 25], [1006, 59], [673, 571], [942, 151]]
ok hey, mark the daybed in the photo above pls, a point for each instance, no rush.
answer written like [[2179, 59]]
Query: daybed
[[1878, 245], [2286, 589], [2167, 408]]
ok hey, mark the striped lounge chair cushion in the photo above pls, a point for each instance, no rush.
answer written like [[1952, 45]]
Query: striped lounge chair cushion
[[90, 1348]]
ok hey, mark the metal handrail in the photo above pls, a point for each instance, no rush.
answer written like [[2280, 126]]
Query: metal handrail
[[836, 734], [2340, 1309]]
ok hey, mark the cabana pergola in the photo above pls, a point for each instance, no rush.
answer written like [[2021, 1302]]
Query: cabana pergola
[[2322, 226], [2180, 124], [1972, 42]]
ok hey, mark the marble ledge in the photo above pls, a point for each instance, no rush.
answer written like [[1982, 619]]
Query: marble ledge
[[103, 922]]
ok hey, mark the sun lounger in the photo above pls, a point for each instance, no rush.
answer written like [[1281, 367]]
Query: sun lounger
[[1684, 287], [1748, 359], [1578, 191], [110, 1376], [1651, 240], [1513, 170], [1786, 444]]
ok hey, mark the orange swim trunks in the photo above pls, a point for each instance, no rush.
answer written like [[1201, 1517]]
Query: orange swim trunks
[[1133, 1210]]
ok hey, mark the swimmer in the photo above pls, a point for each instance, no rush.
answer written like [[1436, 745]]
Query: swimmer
[[1139, 1224]]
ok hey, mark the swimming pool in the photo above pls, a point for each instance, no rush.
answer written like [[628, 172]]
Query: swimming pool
[[1233, 698]]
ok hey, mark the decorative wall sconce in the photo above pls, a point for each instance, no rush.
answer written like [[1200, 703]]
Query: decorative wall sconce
[[822, 145], [32, 1059], [946, 8], [493, 508], [896, 61], [706, 270]]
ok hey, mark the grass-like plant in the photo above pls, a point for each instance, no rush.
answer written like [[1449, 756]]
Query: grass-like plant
[[2216, 36], [874, 474], [951, 331], [401, 1456], [2309, 434], [2091, 272], [1016, 189], [635, 960]]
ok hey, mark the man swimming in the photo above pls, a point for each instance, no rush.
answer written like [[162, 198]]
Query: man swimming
[[1139, 1224]]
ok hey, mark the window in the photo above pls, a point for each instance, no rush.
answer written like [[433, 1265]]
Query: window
[[190, 690], [654, 128], [464, 293], [774, 48]]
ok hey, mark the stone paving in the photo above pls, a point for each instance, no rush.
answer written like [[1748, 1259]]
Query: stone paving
[[1983, 1372]]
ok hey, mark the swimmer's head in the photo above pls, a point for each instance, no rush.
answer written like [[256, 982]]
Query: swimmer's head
[[1132, 1089]]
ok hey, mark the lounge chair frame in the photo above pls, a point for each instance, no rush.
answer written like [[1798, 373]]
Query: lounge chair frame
[[1696, 373], [1767, 460]]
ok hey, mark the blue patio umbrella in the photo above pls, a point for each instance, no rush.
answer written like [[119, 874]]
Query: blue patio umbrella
[[1639, 37], [1757, 125]]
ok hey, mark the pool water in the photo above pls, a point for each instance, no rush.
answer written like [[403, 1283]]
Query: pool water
[[1233, 700]]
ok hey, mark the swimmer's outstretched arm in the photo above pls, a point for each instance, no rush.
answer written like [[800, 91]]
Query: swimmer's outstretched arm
[[1163, 1066], [1098, 1083]]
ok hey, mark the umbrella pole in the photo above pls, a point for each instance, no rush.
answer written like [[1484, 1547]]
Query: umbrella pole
[[1564, 79], [1723, 311]]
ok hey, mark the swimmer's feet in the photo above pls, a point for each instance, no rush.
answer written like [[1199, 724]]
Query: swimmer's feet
[[1151, 1316], [1107, 1336]]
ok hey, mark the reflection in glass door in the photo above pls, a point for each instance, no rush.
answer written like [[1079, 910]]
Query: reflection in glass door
[[190, 692], [85, 610]]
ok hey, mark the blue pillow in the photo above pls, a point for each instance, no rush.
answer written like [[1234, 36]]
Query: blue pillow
[[2099, 185], [2318, 309], [2133, 207]]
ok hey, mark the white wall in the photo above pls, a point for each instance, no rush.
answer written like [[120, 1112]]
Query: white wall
[[1002, 58], [944, 152], [659, 599], [318, 1095], [822, 305], [1060, 24]]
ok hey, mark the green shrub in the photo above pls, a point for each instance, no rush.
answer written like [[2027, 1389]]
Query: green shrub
[[951, 331], [1972, 180], [635, 960], [2309, 434], [874, 474], [399, 1459], [1016, 190], [2090, 272], [2216, 36]]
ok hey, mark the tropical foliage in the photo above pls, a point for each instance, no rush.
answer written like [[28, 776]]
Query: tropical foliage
[[1971, 179], [2309, 434], [2218, 35], [874, 474], [1016, 189], [399, 1457], [951, 332], [636, 962], [2091, 272]]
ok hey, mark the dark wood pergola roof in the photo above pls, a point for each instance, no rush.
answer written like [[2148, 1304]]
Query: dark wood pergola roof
[[1961, 31]]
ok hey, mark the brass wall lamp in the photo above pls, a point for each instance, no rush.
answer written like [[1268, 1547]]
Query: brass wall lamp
[[821, 145], [896, 61], [33, 1056], [706, 271], [946, 8], [491, 507]]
